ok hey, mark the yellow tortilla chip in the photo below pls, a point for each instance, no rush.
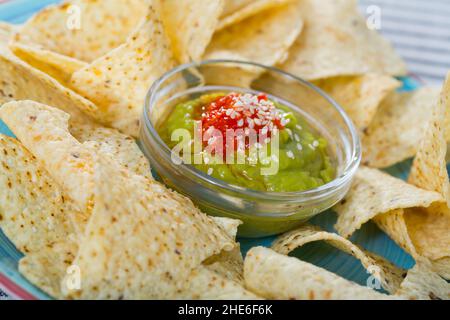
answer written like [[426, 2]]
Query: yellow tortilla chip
[[142, 241], [237, 10], [6, 32], [118, 82], [55, 65], [275, 276], [258, 39], [360, 96], [398, 127], [373, 193], [190, 25], [20, 81], [389, 275], [82, 29], [337, 42]]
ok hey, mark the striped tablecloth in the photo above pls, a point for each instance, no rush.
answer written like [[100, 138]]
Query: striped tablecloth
[[420, 31]]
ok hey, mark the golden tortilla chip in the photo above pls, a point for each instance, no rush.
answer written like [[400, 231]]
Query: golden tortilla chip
[[360, 96], [118, 82], [275, 276], [190, 25], [20, 81], [237, 10], [142, 241], [82, 29], [6, 32], [123, 148], [373, 193], [337, 42], [398, 127], [258, 39], [389, 275]]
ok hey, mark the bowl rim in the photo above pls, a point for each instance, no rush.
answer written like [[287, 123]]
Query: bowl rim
[[346, 175]]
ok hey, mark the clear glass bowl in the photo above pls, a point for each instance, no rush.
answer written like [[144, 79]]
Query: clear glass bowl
[[263, 213]]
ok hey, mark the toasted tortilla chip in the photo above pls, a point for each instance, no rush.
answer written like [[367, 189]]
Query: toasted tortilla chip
[[275, 276], [237, 10], [389, 275], [103, 26], [20, 81], [422, 283], [142, 241], [337, 42], [190, 25], [374, 193], [123, 148], [118, 82], [34, 213], [360, 96], [398, 127], [57, 66], [258, 39]]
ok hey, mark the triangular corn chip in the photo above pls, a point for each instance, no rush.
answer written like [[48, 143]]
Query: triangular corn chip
[[389, 275], [360, 96], [142, 241], [398, 127], [373, 193], [118, 82], [190, 25], [82, 29], [337, 42]]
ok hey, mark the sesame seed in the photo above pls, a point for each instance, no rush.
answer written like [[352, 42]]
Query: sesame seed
[[290, 154], [210, 171]]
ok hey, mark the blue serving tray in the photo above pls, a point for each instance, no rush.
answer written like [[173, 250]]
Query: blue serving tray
[[321, 254]]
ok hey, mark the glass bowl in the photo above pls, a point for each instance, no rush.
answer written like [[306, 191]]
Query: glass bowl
[[262, 213]]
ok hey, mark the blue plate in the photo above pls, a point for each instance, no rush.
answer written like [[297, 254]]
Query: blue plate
[[369, 237]]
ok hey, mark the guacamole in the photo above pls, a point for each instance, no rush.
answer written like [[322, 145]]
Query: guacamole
[[302, 162]]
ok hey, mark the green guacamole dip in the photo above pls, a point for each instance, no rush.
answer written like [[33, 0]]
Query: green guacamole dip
[[304, 161]]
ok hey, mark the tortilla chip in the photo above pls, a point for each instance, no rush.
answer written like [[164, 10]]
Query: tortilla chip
[[237, 10], [46, 268], [151, 254], [275, 276], [422, 283], [104, 25], [119, 81], [337, 42], [34, 213], [123, 148], [398, 127], [190, 25], [389, 275], [205, 284], [394, 225], [55, 65], [360, 96], [20, 81], [258, 39], [374, 192]]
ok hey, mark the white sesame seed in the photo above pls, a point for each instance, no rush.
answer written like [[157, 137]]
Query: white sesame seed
[[290, 154], [210, 171], [297, 137], [316, 144], [299, 147]]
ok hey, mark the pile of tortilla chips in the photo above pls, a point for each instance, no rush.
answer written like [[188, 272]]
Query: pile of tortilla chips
[[77, 197]]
